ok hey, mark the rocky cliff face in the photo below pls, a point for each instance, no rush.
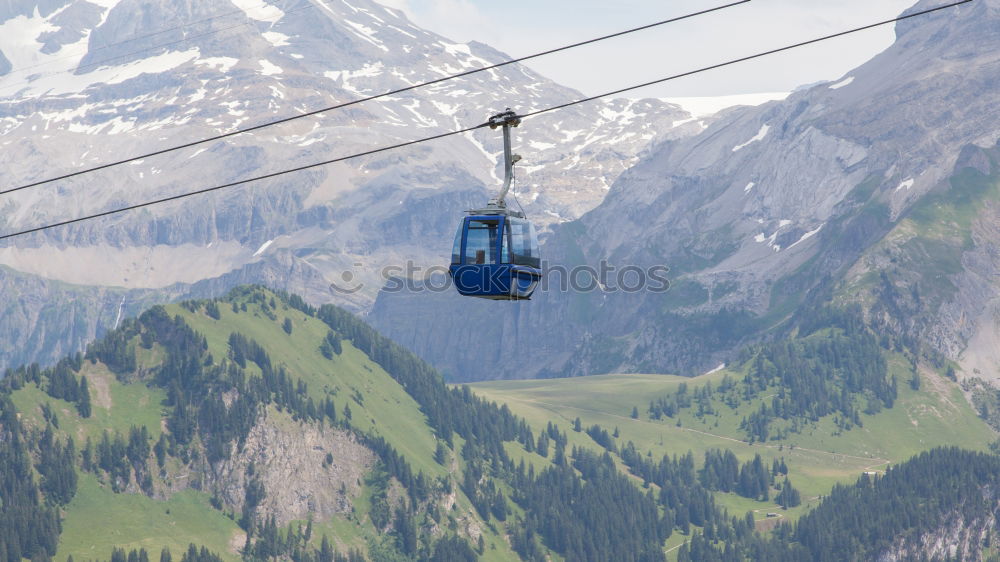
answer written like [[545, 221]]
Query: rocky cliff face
[[956, 538], [90, 82], [41, 318], [766, 209], [934, 276], [289, 460]]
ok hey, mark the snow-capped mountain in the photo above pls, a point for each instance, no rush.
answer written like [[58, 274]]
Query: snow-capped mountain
[[87, 82]]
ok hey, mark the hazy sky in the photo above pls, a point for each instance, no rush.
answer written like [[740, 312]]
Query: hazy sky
[[520, 27]]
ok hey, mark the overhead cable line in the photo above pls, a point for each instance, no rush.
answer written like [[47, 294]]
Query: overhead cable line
[[469, 129], [235, 183], [369, 98]]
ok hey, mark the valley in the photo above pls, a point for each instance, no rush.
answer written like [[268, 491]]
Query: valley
[[818, 458]]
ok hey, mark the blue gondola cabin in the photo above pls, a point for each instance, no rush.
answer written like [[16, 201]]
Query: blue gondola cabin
[[495, 257]]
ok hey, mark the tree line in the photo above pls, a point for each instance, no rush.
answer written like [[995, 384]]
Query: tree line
[[939, 488], [829, 372]]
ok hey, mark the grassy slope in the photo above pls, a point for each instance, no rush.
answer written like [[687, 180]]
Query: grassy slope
[[817, 458], [115, 407], [98, 519], [385, 409]]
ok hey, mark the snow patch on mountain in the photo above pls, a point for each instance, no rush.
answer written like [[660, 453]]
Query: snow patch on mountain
[[718, 368], [842, 83], [199, 95], [769, 240], [107, 4], [268, 68], [19, 39], [66, 83], [67, 115], [115, 126], [366, 33], [263, 248], [758, 137], [445, 108], [463, 54], [35, 45], [276, 39], [259, 10], [367, 71], [626, 115], [807, 236]]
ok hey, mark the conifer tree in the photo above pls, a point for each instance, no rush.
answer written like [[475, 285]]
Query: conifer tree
[[83, 405]]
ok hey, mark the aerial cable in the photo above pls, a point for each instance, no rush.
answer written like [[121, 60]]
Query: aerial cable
[[235, 183], [369, 98], [473, 128]]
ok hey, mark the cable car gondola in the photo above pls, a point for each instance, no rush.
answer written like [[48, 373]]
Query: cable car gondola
[[496, 250]]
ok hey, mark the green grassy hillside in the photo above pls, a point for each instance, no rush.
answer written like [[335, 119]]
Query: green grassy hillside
[[817, 458], [98, 520], [256, 427], [183, 502]]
